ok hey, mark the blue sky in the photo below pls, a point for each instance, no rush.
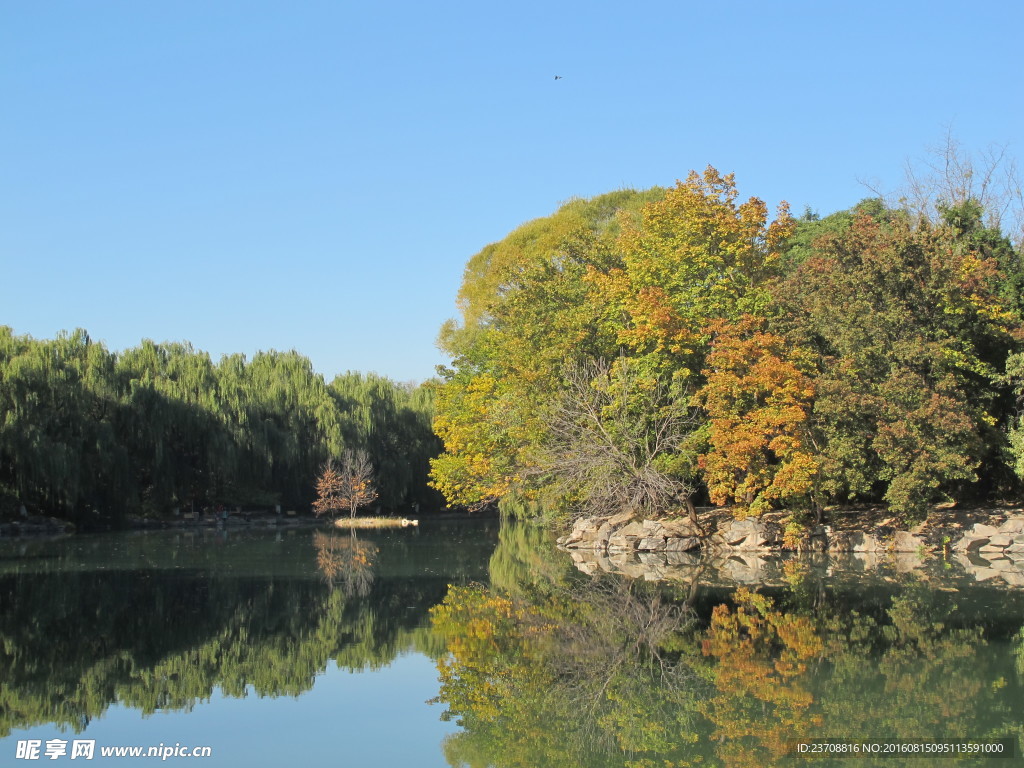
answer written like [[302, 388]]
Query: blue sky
[[315, 175]]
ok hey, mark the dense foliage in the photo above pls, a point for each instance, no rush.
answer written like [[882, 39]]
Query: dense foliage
[[679, 344], [92, 435]]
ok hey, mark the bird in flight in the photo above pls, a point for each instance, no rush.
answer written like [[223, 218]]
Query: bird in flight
[[558, 77]]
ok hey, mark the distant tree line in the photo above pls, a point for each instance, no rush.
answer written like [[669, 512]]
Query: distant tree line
[[92, 436], [656, 349]]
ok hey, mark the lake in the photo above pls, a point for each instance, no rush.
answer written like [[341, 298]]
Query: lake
[[472, 643]]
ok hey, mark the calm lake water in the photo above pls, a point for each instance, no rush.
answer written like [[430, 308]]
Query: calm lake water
[[469, 643]]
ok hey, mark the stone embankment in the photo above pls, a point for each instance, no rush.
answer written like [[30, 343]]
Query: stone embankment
[[988, 545], [35, 525]]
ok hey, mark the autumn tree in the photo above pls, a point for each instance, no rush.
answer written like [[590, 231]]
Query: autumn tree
[[629, 277], [345, 484], [526, 313], [696, 255], [345, 561], [758, 404], [910, 338]]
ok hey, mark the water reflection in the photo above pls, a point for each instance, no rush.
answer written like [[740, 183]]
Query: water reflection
[[542, 665], [160, 622], [546, 667], [345, 561]]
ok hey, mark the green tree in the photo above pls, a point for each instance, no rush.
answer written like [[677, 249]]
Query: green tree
[[911, 339]]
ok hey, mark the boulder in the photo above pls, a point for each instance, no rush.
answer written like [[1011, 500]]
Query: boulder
[[1013, 578], [982, 531], [815, 543], [653, 527], [998, 541], [749, 534], [625, 539], [984, 574], [865, 542], [621, 519], [1013, 525], [904, 541], [839, 542], [651, 544], [681, 544], [1001, 564], [681, 527], [635, 529]]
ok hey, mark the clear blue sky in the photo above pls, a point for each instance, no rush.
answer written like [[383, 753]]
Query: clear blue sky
[[314, 175]]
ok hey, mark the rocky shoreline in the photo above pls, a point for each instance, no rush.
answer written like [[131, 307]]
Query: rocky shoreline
[[987, 544]]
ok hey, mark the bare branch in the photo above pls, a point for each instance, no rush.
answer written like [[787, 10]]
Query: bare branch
[[348, 484], [950, 176], [610, 432]]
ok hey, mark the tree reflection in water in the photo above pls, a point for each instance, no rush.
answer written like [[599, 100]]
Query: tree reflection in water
[[345, 561], [554, 670], [73, 642]]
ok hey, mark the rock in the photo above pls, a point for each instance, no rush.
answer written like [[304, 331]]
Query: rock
[[1001, 564], [749, 534], [651, 544], [969, 542], [625, 539], [585, 523], [816, 543], [1013, 578], [904, 541], [585, 535], [982, 531], [840, 542], [681, 528], [621, 519], [653, 527], [736, 531], [634, 529], [682, 544], [621, 544], [865, 542], [1012, 525], [999, 540], [984, 574]]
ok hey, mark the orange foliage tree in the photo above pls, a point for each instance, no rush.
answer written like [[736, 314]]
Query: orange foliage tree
[[758, 404], [348, 484]]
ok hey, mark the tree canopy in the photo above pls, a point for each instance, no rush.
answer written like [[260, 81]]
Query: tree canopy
[[92, 436], [872, 355]]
